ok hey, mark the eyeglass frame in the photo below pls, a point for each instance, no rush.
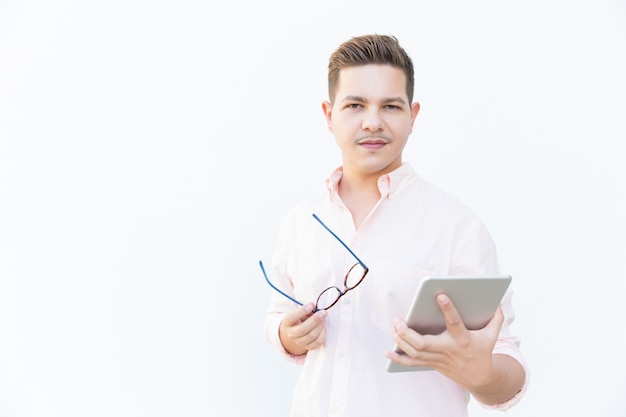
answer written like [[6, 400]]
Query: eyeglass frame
[[345, 280]]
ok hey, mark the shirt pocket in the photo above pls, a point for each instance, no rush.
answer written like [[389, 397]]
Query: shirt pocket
[[394, 287]]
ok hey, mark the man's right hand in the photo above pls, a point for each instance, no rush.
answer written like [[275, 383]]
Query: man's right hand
[[301, 331]]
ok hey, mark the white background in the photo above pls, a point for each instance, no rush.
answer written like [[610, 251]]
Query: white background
[[148, 150]]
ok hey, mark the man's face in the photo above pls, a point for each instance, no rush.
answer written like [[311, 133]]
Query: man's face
[[371, 118]]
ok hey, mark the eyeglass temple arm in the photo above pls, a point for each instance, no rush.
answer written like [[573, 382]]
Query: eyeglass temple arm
[[340, 241], [273, 286]]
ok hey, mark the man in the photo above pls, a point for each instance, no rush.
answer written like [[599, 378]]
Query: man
[[376, 211]]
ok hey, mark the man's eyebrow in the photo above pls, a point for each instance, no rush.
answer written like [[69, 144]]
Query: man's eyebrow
[[394, 100], [360, 99], [354, 98]]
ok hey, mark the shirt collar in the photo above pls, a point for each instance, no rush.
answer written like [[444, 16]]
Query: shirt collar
[[389, 185]]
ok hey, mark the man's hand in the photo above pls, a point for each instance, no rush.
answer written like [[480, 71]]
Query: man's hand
[[301, 331], [465, 356]]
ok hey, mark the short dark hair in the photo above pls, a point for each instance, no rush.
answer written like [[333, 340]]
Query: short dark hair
[[370, 49]]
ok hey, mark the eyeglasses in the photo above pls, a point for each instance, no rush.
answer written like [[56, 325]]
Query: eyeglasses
[[332, 294]]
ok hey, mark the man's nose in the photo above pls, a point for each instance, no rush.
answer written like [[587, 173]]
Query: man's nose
[[372, 120]]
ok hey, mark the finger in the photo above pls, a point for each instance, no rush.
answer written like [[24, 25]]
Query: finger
[[408, 340], [313, 322], [298, 315], [305, 321], [415, 349], [495, 324], [420, 359], [454, 323], [311, 332]]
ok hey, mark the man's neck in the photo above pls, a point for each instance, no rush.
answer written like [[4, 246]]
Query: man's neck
[[360, 194]]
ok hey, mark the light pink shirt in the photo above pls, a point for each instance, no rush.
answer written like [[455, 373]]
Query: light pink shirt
[[414, 230]]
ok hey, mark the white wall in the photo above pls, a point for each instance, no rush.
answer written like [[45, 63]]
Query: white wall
[[149, 149]]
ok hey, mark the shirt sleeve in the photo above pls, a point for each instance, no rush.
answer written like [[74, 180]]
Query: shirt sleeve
[[280, 305], [475, 253], [509, 344]]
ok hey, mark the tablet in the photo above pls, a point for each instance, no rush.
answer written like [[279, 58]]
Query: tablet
[[476, 298]]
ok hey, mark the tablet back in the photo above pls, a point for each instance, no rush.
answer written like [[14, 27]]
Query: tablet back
[[475, 298]]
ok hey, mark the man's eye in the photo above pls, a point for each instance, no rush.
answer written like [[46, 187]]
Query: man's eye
[[354, 106], [392, 107]]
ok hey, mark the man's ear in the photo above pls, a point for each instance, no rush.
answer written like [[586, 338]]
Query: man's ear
[[327, 108], [415, 109]]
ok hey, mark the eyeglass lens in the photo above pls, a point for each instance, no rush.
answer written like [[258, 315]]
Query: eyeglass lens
[[331, 295]]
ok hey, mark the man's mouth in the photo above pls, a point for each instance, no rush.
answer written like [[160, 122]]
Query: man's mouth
[[373, 144]]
